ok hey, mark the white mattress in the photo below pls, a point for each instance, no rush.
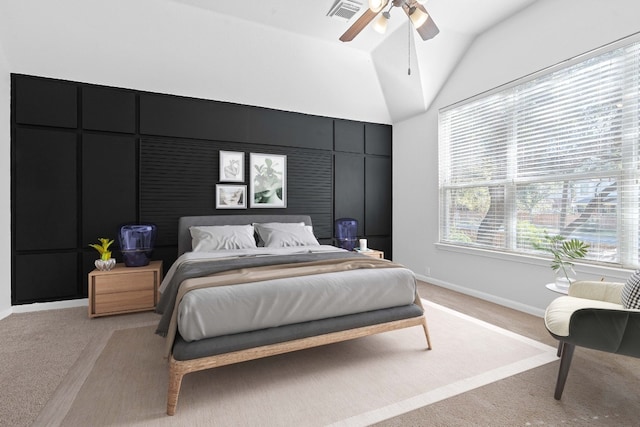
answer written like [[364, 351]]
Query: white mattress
[[223, 310]]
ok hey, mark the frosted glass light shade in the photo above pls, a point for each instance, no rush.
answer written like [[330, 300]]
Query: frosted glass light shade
[[380, 24], [376, 5], [418, 17]]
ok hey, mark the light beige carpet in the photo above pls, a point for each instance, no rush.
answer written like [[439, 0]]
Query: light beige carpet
[[352, 383]]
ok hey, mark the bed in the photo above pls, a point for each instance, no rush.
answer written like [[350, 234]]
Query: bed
[[251, 286]]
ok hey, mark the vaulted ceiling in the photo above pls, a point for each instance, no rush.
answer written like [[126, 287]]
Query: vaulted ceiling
[[274, 53]]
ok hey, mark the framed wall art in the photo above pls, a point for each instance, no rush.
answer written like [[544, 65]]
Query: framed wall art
[[231, 166], [231, 196], [268, 179]]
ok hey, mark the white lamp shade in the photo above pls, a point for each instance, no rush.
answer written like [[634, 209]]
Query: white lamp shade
[[376, 5], [380, 24], [418, 17]]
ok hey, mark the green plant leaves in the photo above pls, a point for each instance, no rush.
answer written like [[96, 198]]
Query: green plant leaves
[[563, 251], [103, 248]]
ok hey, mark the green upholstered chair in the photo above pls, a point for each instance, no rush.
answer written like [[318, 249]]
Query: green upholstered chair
[[592, 315]]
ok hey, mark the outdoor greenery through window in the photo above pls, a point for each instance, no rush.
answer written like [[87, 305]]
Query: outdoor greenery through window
[[556, 153]]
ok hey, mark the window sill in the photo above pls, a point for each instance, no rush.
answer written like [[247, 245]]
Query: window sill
[[617, 274]]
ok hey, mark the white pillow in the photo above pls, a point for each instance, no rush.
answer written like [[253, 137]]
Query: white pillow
[[270, 225], [216, 237], [279, 235]]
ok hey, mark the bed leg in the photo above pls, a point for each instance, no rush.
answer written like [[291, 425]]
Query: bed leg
[[175, 382], [426, 332], [418, 302]]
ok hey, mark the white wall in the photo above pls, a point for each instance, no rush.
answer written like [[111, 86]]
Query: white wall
[[169, 47], [542, 35], [5, 189]]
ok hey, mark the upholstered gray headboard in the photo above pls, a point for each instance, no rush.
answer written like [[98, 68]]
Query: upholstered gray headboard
[[184, 236]]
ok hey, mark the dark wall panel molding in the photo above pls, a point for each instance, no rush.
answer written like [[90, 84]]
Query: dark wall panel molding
[[378, 139], [377, 191], [349, 190], [167, 115], [46, 277], [86, 159], [349, 136], [109, 185], [45, 183], [108, 110], [45, 102], [273, 127]]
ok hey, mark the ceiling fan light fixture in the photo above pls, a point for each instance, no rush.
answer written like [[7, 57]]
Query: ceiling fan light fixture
[[417, 16], [376, 5], [380, 24]]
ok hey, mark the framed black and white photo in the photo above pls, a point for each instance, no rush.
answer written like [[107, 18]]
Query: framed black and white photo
[[268, 179], [231, 166], [231, 196]]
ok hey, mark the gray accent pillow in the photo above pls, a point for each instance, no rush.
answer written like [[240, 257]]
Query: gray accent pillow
[[216, 237], [279, 235], [631, 291]]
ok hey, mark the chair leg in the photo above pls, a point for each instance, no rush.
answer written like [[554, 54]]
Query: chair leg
[[565, 363]]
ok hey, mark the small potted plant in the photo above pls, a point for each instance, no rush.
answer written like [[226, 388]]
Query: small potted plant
[[105, 263], [564, 252]]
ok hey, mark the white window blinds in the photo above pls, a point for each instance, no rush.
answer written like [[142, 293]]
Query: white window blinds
[[556, 154]]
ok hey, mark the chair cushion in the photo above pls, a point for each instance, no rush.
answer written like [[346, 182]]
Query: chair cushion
[[598, 290], [558, 314], [631, 291]]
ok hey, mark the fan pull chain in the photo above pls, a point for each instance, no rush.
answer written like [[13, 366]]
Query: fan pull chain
[[409, 49]]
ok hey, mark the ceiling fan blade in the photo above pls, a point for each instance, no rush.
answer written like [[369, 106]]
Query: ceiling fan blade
[[360, 23]]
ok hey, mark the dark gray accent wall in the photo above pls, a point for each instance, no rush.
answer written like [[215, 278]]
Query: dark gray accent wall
[[87, 159]]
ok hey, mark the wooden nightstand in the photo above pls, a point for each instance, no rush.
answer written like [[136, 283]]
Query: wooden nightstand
[[373, 253], [124, 289]]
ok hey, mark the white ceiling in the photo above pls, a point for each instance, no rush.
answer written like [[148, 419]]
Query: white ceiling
[[282, 54], [309, 17], [431, 62]]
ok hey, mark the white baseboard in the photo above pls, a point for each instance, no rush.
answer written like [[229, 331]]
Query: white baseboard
[[535, 311], [40, 306], [25, 308], [5, 313]]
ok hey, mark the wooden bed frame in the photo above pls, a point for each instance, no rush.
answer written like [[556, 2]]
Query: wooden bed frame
[[179, 368]]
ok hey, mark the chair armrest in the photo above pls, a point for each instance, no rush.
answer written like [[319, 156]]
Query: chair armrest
[[595, 290], [614, 331]]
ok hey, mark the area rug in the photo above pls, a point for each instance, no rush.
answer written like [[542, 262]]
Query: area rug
[[353, 383]]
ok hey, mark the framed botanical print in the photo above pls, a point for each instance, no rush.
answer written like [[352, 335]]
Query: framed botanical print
[[231, 166], [268, 180], [230, 196]]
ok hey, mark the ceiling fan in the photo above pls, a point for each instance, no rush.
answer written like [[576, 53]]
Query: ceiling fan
[[416, 12]]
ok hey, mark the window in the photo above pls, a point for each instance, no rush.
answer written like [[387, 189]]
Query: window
[[555, 153]]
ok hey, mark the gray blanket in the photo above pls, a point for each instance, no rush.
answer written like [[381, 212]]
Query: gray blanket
[[189, 270]]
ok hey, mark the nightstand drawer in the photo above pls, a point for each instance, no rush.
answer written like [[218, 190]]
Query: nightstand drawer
[[124, 302], [137, 281]]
